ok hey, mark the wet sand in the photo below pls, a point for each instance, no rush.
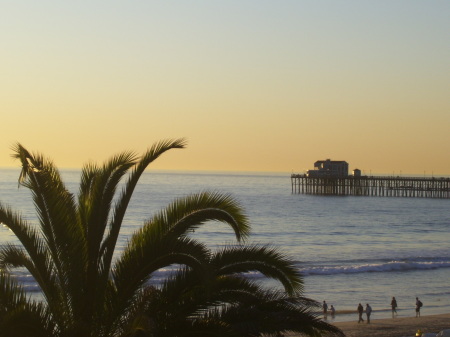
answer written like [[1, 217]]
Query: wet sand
[[395, 327]]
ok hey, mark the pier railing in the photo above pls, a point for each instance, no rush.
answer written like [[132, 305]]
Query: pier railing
[[372, 186]]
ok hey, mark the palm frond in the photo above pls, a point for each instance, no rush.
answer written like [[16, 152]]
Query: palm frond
[[274, 313], [11, 256], [144, 299], [36, 259], [18, 316], [56, 210], [206, 327], [27, 235], [96, 196], [11, 294], [144, 256], [152, 154], [96, 201], [264, 259], [190, 293], [190, 212], [29, 319], [156, 315]]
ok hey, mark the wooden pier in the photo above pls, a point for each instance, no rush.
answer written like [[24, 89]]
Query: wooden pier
[[372, 186]]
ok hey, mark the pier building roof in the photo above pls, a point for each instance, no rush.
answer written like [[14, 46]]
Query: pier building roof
[[328, 167]]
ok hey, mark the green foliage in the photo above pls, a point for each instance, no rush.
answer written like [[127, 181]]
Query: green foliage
[[87, 293]]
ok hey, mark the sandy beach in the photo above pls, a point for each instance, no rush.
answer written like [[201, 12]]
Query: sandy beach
[[395, 327]]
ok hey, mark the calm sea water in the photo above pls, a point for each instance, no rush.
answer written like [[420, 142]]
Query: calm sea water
[[349, 249]]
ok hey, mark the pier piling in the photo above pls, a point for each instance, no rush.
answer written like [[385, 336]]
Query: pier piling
[[372, 186]]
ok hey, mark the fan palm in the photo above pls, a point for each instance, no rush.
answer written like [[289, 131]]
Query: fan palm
[[86, 292]]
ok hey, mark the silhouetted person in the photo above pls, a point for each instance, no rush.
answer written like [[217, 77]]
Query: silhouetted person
[[333, 311], [394, 306], [360, 313], [418, 306], [325, 308], [368, 312]]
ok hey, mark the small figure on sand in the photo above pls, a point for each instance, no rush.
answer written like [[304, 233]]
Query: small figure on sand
[[368, 312], [418, 306], [325, 308], [332, 311], [394, 306], [360, 313]]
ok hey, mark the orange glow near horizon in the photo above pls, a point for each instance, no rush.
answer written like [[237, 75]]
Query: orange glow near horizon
[[253, 87]]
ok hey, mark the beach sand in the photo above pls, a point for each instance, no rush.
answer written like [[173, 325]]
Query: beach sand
[[395, 327]]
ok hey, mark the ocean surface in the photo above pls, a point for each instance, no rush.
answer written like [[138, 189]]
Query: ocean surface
[[350, 250]]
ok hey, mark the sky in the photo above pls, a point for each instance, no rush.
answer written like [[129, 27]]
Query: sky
[[252, 85]]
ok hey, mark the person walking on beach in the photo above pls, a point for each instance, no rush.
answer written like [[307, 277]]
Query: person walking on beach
[[394, 306], [418, 306], [360, 313], [325, 308], [368, 312]]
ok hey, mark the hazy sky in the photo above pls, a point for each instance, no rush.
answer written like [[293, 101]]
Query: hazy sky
[[253, 85]]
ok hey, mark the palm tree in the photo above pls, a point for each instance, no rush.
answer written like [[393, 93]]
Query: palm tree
[[88, 293], [219, 300]]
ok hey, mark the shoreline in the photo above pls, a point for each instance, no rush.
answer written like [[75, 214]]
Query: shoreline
[[351, 315], [395, 327]]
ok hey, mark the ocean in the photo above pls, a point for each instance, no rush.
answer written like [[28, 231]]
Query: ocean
[[349, 249]]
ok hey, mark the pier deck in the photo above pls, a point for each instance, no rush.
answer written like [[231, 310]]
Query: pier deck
[[372, 186]]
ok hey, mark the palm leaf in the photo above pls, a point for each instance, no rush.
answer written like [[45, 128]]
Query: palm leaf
[[152, 154], [266, 260], [134, 268], [57, 213], [95, 199], [273, 313], [30, 319], [34, 258], [190, 212]]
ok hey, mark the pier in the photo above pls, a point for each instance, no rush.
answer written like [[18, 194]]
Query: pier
[[371, 186]]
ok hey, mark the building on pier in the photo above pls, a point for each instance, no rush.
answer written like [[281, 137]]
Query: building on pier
[[332, 178], [329, 168]]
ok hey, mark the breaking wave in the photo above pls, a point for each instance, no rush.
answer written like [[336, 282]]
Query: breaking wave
[[377, 267]]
